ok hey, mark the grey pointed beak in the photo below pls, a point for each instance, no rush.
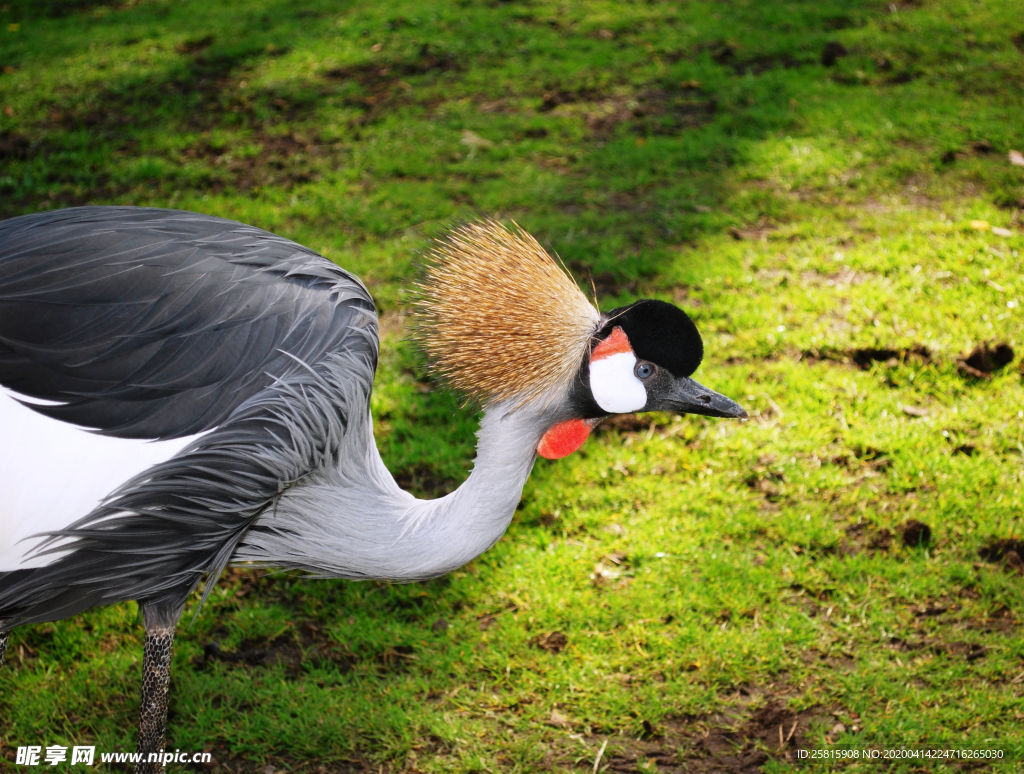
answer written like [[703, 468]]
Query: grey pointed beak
[[691, 397]]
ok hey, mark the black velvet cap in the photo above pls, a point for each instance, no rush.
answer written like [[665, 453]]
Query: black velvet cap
[[660, 333]]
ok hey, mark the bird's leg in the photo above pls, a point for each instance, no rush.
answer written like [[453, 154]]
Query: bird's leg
[[156, 677], [4, 637]]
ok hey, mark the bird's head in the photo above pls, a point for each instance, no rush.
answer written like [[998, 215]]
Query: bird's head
[[503, 323]]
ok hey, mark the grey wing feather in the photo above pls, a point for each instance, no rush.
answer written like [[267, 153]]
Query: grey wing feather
[[158, 324], [148, 323], [157, 536]]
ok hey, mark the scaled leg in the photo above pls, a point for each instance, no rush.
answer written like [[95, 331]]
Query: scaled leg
[[156, 678]]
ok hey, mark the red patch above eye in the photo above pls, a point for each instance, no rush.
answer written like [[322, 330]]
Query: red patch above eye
[[616, 343], [564, 438]]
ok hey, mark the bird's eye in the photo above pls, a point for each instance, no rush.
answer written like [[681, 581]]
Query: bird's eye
[[643, 370]]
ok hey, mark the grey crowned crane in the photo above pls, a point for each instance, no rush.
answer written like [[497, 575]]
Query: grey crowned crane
[[179, 392]]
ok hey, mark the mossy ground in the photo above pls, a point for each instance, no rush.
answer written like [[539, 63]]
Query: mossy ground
[[701, 595]]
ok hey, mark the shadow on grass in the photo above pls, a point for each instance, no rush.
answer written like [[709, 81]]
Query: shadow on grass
[[30, 10], [635, 157]]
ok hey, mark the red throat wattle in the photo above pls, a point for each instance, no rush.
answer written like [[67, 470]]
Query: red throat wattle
[[565, 438]]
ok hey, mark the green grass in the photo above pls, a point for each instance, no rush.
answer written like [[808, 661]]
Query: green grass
[[713, 580]]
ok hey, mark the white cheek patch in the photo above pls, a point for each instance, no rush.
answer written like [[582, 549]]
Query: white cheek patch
[[614, 385]]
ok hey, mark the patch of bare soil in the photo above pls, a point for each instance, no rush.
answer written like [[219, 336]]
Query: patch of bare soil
[[832, 53], [999, 620], [757, 232], [865, 357], [942, 626], [552, 642], [767, 479], [13, 145], [728, 55], [887, 73], [667, 109], [916, 534], [860, 456], [959, 649], [800, 592], [194, 45], [605, 283], [934, 609], [977, 148], [863, 536], [304, 648], [772, 732], [655, 112], [246, 581], [985, 359], [843, 278], [1007, 552], [486, 620], [743, 744], [382, 82], [284, 160], [557, 97], [423, 480]]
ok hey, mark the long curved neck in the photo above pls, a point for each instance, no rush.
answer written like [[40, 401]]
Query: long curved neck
[[355, 522], [448, 532]]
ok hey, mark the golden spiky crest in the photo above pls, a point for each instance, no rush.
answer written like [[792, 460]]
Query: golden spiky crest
[[498, 318]]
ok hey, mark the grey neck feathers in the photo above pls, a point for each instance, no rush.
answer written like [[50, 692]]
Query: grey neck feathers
[[353, 521]]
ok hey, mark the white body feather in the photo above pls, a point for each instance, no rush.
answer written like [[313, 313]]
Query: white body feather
[[53, 473]]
